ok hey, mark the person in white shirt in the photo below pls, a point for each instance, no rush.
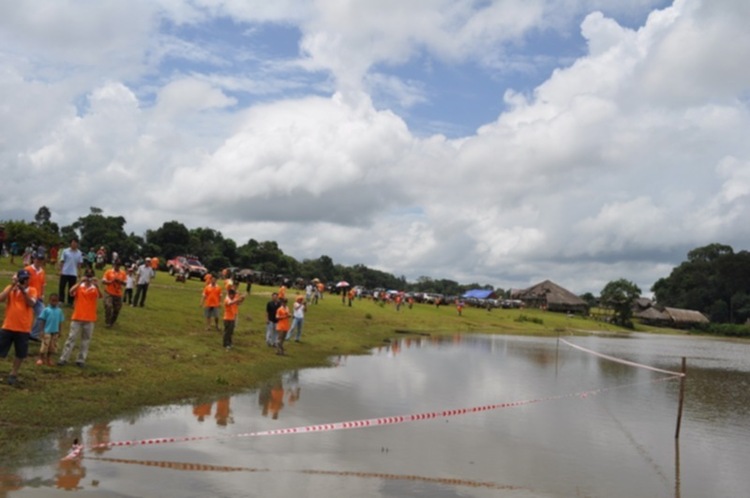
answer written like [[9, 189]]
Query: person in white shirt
[[142, 278]]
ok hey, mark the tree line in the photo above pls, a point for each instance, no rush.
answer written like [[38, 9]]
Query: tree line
[[214, 250], [714, 279]]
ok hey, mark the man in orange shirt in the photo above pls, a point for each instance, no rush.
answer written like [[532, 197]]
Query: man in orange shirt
[[37, 280], [19, 298], [211, 301], [114, 282], [86, 294], [231, 309]]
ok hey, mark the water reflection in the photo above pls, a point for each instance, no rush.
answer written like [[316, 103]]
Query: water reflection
[[618, 443]]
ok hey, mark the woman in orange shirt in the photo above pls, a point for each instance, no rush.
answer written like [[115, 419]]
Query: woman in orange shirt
[[86, 294], [282, 325]]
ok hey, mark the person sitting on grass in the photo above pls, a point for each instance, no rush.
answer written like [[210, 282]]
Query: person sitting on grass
[[51, 319]]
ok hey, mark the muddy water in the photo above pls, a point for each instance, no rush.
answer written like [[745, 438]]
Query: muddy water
[[557, 422]]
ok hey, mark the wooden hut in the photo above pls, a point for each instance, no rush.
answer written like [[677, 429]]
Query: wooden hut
[[550, 296]]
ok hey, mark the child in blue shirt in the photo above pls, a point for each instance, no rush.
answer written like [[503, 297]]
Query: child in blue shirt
[[51, 319]]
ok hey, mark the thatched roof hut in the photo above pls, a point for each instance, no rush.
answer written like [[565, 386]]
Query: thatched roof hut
[[550, 296], [674, 317], [682, 317]]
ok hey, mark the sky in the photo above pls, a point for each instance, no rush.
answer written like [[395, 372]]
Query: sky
[[502, 142]]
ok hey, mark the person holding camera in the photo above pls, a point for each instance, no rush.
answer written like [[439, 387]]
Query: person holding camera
[[19, 298], [86, 293]]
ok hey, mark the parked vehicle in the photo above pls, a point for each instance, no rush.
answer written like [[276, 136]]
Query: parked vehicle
[[190, 266]]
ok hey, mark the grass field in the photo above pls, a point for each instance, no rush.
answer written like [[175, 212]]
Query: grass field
[[162, 353]]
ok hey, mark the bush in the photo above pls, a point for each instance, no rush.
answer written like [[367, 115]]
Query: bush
[[723, 329], [524, 318]]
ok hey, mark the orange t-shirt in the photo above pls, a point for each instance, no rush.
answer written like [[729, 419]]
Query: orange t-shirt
[[228, 284], [231, 308], [282, 319], [282, 292], [155, 263], [211, 296], [19, 316], [37, 280], [84, 308], [114, 288]]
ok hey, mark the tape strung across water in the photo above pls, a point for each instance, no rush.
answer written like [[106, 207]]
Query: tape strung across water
[[76, 451], [619, 360]]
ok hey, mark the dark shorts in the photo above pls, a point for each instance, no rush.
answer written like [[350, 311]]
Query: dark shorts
[[19, 340]]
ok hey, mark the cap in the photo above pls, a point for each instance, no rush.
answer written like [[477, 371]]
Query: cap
[[39, 255], [23, 275]]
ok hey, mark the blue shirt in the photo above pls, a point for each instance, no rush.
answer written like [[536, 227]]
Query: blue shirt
[[53, 318], [71, 260]]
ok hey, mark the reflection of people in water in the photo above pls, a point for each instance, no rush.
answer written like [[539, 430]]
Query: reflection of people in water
[[277, 399], [69, 474], [222, 412], [271, 397], [202, 411], [293, 388], [99, 434], [9, 482]]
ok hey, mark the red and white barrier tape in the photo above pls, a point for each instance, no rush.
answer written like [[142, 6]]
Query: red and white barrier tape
[[624, 362], [357, 424]]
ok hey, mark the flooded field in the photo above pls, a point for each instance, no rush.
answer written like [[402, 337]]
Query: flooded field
[[468, 416]]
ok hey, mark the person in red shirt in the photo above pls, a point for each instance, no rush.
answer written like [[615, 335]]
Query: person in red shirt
[[114, 282], [86, 294], [19, 298], [211, 301]]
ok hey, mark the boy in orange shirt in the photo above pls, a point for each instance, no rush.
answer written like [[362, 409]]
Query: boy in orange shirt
[[211, 301], [86, 294], [231, 305], [114, 281], [20, 299], [282, 325]]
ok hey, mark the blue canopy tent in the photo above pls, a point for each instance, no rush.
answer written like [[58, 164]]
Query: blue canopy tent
[[479, 294]]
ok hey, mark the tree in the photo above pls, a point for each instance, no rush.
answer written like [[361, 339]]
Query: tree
[[620, 295], [713, 280], [98, 230], [173, 238]]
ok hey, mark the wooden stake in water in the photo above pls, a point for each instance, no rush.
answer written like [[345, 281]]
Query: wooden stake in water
[[682, 397]]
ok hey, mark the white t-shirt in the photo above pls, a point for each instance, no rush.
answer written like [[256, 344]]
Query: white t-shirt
[[145, 274]]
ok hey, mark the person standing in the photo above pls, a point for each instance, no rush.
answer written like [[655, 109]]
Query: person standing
[[19, 298], [143, 277], [210, 302], [231, 305], [127, 297], [299, 308], [86, 293], [114, 281], [282, 325], [51, 318], [71, 261], [271, 307], [37, 280]]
